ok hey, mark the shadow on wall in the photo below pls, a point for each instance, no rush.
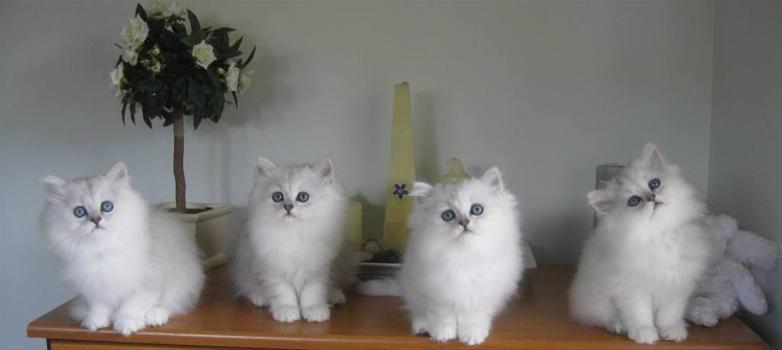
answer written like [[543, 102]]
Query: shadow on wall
[[372, 217], [267, 96], [560, 227], [269, 92], [236, 226]]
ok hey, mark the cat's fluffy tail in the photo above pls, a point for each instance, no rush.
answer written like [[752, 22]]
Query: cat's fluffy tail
[[752, 248], [379, 287]]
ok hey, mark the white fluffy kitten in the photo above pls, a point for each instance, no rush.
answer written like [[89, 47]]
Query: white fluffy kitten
[[650, 248], [463, 260], [132, 265], [292, 256]]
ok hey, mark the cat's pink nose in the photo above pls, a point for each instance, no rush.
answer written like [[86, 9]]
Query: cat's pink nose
[[651, 198], [288, 207], [464, 222]]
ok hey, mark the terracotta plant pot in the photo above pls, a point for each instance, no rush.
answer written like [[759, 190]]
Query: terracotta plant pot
[[210, 228]]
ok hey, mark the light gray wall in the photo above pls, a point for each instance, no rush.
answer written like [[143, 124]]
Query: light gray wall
[[544, 90], [745, 167]]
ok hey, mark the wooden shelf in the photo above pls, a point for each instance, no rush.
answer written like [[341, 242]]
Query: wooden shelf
[[536, 320]]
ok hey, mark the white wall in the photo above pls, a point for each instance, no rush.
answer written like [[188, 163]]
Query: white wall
[[544, 90], [745, 168]]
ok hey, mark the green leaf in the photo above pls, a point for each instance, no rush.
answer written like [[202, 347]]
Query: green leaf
[[150, 85], [194, 94], [212, 74], [179, 29], [124, 107], [197, 116], [140, 12], [220, 108], [227, 52], [188, 41], [133, 112], [168, 121], [195, 27], [179, 89], [223, 30], [237, 43], [249, 58], [147, 118]]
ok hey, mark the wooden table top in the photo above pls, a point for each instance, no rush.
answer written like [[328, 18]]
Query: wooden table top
[[536, 320]]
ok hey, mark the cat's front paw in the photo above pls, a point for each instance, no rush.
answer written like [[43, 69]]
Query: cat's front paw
[[419, 326], [643, 335], [257, 299], [473, 335], [156, 316], [129, 324], [316, 313], [703, 315], [617, 328], [442, 332], [95, 320], [286, 313], [676, 333]]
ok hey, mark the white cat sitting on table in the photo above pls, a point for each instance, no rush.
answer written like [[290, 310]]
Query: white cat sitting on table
[[650, 248], [293, 256], [132, 265]]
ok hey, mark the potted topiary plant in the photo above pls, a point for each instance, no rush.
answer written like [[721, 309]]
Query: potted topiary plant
[[172, 73]]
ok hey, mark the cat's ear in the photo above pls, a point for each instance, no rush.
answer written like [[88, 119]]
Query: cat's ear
[[118, 173], [324, 169], [55, 187], [421, 189], [652, 157], [263, 166], [493, 178], [601, 200]]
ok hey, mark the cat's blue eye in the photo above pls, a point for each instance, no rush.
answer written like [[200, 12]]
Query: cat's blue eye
[[448, 215], [476, 209], [277, 197], [654, 184], [303, 197], [634, 201], [80, 212], [106, 206]]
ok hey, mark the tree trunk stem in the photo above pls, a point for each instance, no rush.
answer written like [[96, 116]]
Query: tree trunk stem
[[179, 163]]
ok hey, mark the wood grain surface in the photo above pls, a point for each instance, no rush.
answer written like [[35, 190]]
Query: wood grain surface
[[537, 319]]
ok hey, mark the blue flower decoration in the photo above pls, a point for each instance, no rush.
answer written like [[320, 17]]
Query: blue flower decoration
[[400, 191]]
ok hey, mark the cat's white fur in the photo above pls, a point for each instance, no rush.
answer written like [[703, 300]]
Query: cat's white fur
[[135, 268], [641, 265], [454, 278], [297, 263]]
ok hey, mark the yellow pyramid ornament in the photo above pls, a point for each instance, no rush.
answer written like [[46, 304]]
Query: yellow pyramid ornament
[[401, 171], [455, 172]]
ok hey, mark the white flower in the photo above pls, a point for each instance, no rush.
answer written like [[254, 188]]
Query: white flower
[[175, 8], [245, 80], [154, 66], [134, 33], [116, 75], [120, 93], [232, 77], [161, 8], [204, 54], [130, 56]]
